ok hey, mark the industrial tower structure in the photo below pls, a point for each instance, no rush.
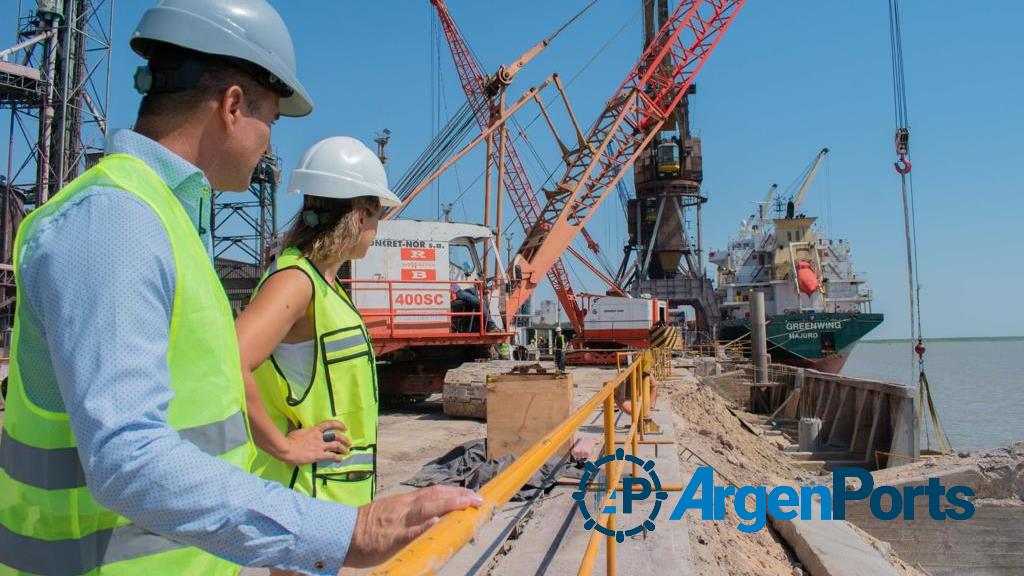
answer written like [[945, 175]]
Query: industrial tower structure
[[664, 217], [53, 81], [244, 228]]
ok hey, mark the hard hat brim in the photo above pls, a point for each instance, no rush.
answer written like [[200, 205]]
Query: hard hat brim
[[178, 27], [327, 185]]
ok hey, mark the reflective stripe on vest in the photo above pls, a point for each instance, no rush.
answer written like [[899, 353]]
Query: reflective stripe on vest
[[343, 387], [78, 556], [60, 468], [353, 460], [345, 344], [49, 521]]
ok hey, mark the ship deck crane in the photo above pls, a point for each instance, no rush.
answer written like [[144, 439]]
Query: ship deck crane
[[764, 205], [798, 198]]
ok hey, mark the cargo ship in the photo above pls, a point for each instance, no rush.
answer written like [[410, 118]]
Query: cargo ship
[[817, 306]]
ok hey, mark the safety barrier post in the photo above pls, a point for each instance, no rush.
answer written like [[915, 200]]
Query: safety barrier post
[[609, 449], [634, 414], [646, 382]]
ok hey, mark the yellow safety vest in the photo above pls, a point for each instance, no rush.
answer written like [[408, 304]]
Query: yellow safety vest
[[343, 387], [49, 522]]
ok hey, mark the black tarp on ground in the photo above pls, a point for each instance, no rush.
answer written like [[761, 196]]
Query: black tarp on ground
[[467, 466]]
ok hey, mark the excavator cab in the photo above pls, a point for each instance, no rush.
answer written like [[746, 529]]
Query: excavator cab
[[667, 158]]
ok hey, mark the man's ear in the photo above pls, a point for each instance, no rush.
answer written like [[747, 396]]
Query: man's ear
[[231, 102]]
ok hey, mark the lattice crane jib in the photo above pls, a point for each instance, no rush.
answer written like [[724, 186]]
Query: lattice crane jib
[[483, 93], [632, 118]]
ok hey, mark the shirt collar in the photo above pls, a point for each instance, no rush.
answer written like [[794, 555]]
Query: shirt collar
[[186, 181], [174, 170]]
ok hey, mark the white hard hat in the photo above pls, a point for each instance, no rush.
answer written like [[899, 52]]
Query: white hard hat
[[341, 167], [247, 30]]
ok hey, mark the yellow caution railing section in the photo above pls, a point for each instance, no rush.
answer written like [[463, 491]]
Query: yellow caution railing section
[[736, 348], [429, 552]]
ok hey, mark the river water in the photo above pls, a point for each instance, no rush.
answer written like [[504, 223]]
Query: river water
[[977, 384]]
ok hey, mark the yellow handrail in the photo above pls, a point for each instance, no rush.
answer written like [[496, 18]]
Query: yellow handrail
[[613, 475], [429, 552]]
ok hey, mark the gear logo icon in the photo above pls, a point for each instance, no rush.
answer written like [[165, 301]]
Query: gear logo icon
[[647, 488]]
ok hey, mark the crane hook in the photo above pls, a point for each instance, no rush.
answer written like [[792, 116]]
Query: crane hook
[[903, 164]]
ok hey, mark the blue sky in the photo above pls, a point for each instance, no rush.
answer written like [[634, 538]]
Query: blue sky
[[788, 78]]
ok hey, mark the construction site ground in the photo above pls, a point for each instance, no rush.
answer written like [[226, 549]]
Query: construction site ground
[[546, 536]]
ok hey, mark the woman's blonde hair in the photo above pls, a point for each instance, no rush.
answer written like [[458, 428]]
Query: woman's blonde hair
[[325, 227]]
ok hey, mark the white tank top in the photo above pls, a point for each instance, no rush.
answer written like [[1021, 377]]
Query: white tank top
[[296, 362]]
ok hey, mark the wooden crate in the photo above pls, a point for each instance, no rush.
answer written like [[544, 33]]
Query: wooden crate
[[523, 408]]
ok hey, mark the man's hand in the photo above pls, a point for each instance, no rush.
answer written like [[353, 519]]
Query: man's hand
[[384, 526]]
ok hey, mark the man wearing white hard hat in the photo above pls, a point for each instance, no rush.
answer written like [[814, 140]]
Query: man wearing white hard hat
[[305, 349], [125, 446]]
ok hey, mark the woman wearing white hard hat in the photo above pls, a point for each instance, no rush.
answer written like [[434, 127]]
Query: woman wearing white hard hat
[[308, 362]]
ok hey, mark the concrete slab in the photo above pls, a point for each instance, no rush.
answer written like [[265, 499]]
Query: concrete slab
[[832, 548]]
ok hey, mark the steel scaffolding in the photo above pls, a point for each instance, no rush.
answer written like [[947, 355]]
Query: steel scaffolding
[[54, 81], [243, 226]]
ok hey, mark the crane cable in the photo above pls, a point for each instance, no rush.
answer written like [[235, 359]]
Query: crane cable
[[903, 168], [445, 143]]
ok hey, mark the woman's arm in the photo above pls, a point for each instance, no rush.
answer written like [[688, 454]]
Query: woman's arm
[[280, 307]]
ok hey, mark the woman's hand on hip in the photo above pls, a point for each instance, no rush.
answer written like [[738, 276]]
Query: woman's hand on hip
[[321, 442]]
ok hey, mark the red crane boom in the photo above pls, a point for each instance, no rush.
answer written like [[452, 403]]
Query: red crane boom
[[482, 92], [632, 118]]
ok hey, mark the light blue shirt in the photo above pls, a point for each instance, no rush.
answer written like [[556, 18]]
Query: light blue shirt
[[98, 278]]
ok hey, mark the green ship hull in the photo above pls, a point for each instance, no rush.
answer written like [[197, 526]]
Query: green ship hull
[[818, 340]]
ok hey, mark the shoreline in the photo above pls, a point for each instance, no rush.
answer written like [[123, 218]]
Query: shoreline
[[944, 339]]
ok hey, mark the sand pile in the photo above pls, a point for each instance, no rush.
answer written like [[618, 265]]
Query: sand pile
[[707, 433]]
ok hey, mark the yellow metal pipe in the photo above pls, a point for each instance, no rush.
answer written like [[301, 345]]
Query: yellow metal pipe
[[609, 442], [672, 487], [614, 476], [609, 426], [636, 416], [594, 544], [611, 548], [651, 441], [427, 553]]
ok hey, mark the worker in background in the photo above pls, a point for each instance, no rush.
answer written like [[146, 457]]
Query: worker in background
[[125, 447], [307, 360], [560, 348], [466, 303]]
